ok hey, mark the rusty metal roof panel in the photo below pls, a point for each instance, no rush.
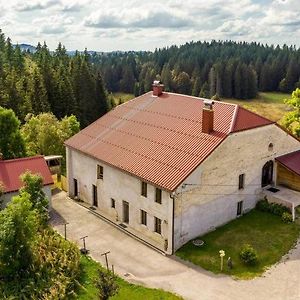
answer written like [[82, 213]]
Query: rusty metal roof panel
[[159, 139]]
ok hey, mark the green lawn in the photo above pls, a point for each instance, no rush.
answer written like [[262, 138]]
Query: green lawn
[[122, 97], [127, 291], [268, 235], [269, 104]]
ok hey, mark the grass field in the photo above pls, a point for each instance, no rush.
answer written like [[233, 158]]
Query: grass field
[[269, 105], [268, 235], [127, 291], [121, 97]]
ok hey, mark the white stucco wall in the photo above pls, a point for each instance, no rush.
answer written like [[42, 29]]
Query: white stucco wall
[[211, 196], [6, 198], [121, 187]]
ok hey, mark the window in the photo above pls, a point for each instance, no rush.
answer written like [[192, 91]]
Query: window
[[157, 225], [270, 147], [239, 208], [241, 181], [99, 172], [158, 196], [144, 189], [143, 217], [113, 203]]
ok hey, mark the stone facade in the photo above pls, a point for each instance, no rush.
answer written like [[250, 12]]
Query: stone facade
[[206, 199], [120, 186]]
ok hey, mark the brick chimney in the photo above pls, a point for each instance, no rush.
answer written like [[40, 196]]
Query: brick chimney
[[158, 88], [208, 117]]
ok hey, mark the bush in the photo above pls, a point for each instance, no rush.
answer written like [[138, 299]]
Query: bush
[[263, 205], [287, 217], [273, 208], [248, 255]]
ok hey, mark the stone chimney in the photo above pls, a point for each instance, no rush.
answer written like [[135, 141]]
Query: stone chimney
[[158, 88], [208, 117]]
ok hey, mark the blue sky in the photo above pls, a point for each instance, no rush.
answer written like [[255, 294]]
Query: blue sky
[[146, 25]]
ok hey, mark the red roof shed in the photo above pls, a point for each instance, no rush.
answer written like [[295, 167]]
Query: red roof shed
[[12, 169]]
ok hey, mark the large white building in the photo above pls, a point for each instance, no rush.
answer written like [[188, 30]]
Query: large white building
[[169, 167]]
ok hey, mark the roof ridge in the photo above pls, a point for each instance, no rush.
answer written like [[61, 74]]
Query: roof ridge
[[21, 159], [236, 109], [203, 99]]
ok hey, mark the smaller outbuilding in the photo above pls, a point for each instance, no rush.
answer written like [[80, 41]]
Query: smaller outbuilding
[[12, 169]]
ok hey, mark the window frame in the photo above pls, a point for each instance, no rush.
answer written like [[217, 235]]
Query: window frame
[[112, 203], [144, 189], [144, 216], [158, 199], [239, 209], [242, 181], [157, 225], [100, 171]]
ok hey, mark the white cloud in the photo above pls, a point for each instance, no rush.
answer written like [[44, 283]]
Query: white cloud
[[136, 24]]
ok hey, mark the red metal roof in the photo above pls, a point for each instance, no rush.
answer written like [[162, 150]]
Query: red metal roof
[[159, 139], [291, 161], [10, 171]]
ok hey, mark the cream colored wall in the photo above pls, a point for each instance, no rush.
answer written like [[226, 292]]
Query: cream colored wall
[[211, 199], [121, 187]]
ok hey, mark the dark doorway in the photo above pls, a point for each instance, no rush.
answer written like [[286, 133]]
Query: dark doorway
[[75, 188], [267, 173], [125, 212], [95, 196]]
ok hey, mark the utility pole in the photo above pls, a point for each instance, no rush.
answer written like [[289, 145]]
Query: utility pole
[[106, 260], [84, 250]]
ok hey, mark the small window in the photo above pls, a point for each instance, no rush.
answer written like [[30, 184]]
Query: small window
[[99, 172], [241, 181], [113, 203], [239, 208], [143, 217], [270, 147], [157, 225], [158, 195], [144, 189]]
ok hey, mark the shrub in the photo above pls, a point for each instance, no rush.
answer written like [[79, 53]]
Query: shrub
[[273, 208], [106, 284], [263, 205], [278, 209], [287, 217], [248, 255]]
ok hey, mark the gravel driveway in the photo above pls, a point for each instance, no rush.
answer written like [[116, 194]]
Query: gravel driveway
[[138, 263]]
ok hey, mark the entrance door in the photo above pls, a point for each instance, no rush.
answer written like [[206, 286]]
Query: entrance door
[[125, 212], [95, 196], [267, 173], [75, 188]]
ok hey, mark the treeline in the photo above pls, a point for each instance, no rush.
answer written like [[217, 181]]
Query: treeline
[[228, 69], [50, 82]]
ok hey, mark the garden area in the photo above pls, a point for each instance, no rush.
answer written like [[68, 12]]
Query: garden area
[[267, 235], [38, 263], [88, 290]]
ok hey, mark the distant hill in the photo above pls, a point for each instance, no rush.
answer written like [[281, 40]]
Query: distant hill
[[27, 47], [32, 49]]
